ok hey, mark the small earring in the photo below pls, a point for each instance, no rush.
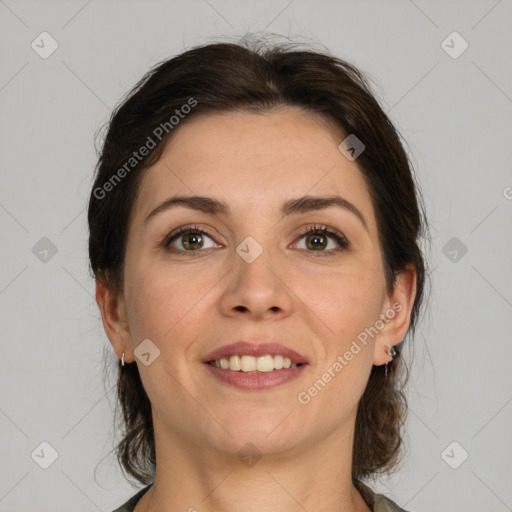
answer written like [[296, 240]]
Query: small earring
[[391, 352], [122, 360]]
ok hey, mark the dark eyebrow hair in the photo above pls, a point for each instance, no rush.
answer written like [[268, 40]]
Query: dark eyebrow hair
[[293, 206]]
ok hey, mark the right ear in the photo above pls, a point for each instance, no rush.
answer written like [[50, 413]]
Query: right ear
[[115, 321]]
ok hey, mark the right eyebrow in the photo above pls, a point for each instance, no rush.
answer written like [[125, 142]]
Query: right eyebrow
[[199, 203]]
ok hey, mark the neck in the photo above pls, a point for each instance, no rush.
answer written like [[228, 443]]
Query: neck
[[195, 479]]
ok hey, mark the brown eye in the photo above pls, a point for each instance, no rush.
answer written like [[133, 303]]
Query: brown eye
[[317, 239], [192, 240], [188, 239]]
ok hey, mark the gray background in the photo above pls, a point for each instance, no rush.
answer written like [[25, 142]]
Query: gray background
[[455, 115]]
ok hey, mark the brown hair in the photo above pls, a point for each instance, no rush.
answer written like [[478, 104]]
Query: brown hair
[[222, 77]]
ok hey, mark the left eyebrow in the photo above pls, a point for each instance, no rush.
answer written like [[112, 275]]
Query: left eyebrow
[[314, 203], [291, 207]]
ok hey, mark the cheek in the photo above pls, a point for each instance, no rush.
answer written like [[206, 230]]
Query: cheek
[[347, 301], [164, 303]]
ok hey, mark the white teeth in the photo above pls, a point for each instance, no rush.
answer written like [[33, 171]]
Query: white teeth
[[234, 363], [278, 362], [246, 363], [265, 364]]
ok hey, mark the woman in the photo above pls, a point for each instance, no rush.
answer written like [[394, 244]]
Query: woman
[[254, 236]]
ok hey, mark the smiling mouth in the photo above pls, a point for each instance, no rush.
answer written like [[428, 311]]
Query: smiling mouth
[[251, 364]]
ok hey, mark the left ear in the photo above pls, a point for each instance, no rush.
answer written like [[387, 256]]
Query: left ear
[[396, 314]]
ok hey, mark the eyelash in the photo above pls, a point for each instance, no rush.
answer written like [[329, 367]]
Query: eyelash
[[315, 229]]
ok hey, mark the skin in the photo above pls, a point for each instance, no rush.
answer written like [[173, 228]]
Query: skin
[[317, 304]]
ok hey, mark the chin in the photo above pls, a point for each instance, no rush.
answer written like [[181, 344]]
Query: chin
[[271, 432]]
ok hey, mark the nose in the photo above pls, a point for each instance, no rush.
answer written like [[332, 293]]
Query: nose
[[258, 289]]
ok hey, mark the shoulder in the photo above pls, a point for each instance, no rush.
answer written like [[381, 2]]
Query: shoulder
[[130, 504], [384, 504], [377, 502]]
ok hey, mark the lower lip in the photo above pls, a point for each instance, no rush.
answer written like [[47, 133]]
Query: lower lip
[[256, 381]]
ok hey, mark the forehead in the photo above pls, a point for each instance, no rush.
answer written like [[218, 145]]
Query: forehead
[[254, 162]]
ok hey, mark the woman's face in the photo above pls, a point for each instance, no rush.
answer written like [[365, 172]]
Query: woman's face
[[254, 277]]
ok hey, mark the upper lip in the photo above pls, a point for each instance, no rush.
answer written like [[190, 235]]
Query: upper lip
[[256, 350]]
